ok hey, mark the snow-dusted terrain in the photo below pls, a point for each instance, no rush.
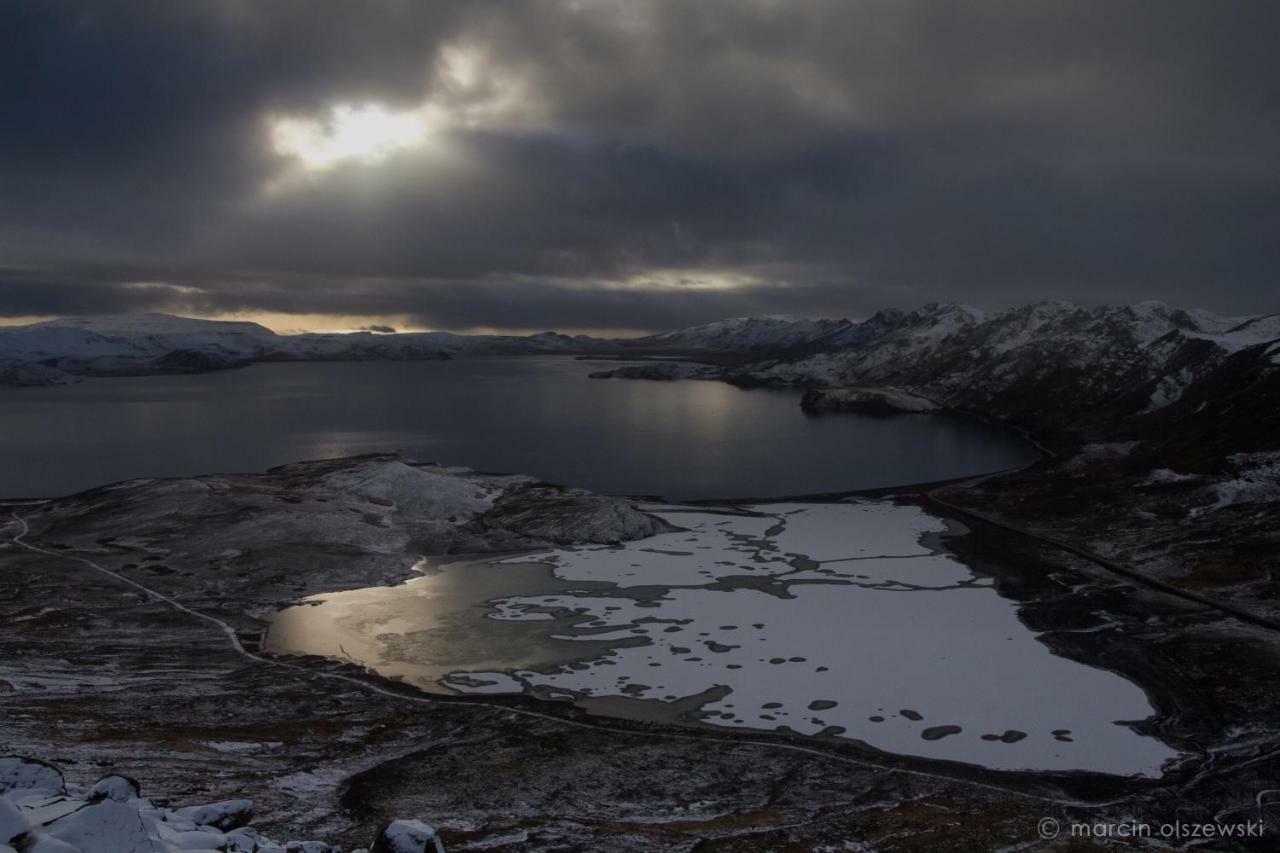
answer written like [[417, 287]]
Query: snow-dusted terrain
[[160, 677], [994, 362], [140, 610], [744, 334]]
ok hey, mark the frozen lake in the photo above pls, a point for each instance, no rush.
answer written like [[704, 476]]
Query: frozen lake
[[843, 620], [531, 415]]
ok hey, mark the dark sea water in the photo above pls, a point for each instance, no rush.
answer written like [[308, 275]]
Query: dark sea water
[[533, 415]]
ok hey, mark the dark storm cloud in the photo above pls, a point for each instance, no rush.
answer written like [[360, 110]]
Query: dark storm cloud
[[836, 156]]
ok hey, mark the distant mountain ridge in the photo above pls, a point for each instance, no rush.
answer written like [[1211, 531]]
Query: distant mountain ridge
[[1038, 366], [1142, 355], [1065, 372], [743, 334], [140, 344]]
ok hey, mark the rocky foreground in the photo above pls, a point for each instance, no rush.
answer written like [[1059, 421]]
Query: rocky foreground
[[138, 649], [40, 812], [134, 649]]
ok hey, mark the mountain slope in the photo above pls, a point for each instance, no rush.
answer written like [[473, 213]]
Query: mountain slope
[[131, 336], [1044, 366], [743, 334]]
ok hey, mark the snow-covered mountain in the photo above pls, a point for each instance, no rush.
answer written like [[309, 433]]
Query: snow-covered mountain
[[56, 351], [743, 334], [131, 336], [1144, 355], [1188, 384], [128, 344], [1068, 373]]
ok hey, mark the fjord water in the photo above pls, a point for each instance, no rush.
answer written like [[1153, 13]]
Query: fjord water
[[533, 415]]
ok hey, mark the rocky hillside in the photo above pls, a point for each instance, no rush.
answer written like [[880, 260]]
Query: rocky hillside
[[1184, 389], [130, 343], [744, 335], [1053, 367]]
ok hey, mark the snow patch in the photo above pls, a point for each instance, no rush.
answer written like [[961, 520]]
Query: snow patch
[[1169, 389], [1256, 479], [413, 490], [1166, 475]]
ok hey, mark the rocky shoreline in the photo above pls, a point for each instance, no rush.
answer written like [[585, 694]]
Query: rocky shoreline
[[868, 401]]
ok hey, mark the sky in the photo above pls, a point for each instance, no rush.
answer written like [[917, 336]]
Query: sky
[[627, 165]]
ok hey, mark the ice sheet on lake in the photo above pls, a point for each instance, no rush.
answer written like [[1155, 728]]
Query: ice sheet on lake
[[861, 630], [841, 619]]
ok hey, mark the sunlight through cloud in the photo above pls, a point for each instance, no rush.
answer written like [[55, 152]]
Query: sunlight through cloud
[[364, 134]]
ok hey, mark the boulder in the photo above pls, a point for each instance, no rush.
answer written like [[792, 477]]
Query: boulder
[[104, 826], [115, 787], [18, 773], [39, 815], [407, 836], [13, 824], [225, 815]]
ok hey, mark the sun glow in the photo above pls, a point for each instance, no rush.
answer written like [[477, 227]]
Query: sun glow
[[364, 134]]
